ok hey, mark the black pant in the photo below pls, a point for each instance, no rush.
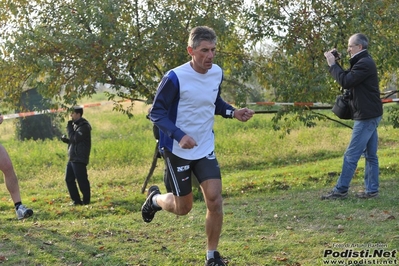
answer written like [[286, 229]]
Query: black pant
[[77, 172]]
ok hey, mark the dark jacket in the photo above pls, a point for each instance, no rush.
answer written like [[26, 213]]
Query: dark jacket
[[79, 143], [362, 81]]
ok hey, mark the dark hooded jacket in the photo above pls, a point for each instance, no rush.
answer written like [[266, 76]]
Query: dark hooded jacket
[[362, 81], [79, 143]]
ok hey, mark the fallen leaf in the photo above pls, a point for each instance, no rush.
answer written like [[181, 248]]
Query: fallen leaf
[[280, 259]]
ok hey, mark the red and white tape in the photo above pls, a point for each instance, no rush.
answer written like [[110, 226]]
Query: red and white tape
[[292, 104], [32, 113], [312, 104], [25, 114], [390, 100]]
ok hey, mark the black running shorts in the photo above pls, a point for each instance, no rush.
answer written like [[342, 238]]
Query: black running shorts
[[179, 171]]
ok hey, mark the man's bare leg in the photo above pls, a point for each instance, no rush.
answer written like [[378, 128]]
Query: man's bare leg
[[212, 190], [10, 177]]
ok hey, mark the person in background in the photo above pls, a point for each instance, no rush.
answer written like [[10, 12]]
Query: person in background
[[159, 154], [79, 146], [184, 109], [11, 182], [361, 81]]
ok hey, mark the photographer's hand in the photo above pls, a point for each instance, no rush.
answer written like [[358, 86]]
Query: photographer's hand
[[64, 139], [330, 58]]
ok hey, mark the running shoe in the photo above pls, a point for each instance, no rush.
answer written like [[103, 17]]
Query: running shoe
[[148, 209]]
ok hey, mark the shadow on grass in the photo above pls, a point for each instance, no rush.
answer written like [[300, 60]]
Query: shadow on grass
[[50, 246]]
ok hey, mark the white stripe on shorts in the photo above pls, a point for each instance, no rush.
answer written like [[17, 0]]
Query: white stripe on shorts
[[174, 179]]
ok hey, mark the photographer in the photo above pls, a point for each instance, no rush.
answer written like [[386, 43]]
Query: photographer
[[361, 82], [79, 146]]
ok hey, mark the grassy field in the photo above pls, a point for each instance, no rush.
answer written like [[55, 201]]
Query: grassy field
[[272, 185]]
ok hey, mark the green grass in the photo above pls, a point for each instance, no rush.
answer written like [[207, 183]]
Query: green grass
[[271, 189]]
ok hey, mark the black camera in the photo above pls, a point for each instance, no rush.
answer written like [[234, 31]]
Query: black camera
[[336, 55], [65, 139]]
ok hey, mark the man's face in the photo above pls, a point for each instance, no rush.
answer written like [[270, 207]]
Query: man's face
[[353, 47], [75, 116], [202, 56]]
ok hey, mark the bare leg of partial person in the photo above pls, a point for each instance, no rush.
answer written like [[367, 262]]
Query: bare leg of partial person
[[10, 177], [212, 190]]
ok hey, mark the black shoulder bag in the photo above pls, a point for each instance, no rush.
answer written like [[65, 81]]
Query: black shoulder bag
[[342, 107]]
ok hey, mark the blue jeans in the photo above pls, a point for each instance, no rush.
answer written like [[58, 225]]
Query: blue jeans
[[364, 141]]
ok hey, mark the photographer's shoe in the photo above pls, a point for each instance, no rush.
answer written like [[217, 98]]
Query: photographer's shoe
[[367, 195], [23, 212], [148, 209], [75, 203], [334, 195], [216, 260]]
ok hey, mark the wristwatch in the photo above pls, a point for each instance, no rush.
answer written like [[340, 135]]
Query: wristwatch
[[230, 113]]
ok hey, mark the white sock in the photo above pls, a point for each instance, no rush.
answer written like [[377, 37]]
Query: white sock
[[209, 254], [154, 200]]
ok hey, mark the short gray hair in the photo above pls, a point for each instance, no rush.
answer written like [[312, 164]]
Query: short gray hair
[[361, 39], [199, 34]]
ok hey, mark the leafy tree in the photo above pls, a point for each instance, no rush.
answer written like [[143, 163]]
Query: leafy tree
[[65, 48]]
